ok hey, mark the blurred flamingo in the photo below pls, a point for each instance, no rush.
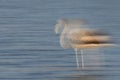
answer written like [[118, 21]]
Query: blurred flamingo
[[75, 34]]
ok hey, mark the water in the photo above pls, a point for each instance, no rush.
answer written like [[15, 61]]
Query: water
[[30, 50]]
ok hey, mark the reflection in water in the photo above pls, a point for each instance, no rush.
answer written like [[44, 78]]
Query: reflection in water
[[84, 77], [75, 34]]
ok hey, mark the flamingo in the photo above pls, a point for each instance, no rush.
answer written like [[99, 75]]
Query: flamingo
[[73, 34]]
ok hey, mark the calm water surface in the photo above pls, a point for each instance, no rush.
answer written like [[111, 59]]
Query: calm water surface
[[30, 50]]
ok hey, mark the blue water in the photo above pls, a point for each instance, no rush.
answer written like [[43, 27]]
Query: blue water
[[30, 50]]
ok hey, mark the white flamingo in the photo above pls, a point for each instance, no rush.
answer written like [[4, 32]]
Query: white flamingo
[[73, 34]]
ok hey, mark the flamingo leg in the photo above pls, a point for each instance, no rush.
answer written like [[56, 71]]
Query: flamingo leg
[[77, 63], [83, 66]]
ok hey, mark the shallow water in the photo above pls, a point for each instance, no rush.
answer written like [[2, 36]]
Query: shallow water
[[30, 50]]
